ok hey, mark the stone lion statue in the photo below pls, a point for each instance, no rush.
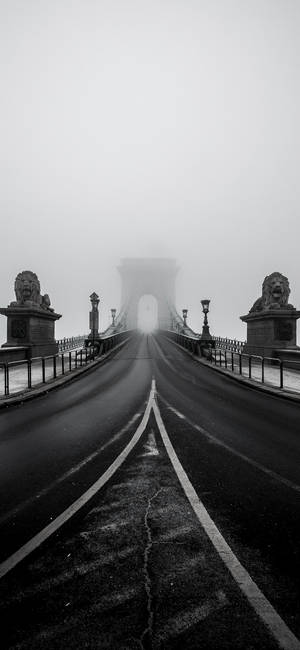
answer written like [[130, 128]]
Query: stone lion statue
[[275, 294], [28, 291]]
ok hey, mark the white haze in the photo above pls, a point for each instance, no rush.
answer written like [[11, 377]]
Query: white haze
[[158, 128]]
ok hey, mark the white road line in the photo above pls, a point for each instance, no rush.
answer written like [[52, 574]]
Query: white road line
[[266, 612], [275, 624], [179, 415], [262, 468], [69, 473], [38, 539], [239, 454]]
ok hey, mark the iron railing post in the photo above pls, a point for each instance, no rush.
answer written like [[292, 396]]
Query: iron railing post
[[281, 373], [6, 379], [54, 367], [29, 378], [43, 371]]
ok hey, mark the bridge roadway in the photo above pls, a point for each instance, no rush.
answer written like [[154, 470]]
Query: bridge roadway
[[239, 448]]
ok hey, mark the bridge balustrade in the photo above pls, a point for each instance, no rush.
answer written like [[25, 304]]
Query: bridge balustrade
[[233, 345], [265, 370], [17, 376], [190, 343], [70, 343]]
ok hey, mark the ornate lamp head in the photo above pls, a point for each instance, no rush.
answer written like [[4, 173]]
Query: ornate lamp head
[[94, 298], [205, 306]]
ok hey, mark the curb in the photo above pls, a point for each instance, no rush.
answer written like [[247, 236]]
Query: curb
[[247, 383], [33, 393]]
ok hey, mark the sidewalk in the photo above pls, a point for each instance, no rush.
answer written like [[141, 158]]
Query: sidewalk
[[291, 378], [18, 374]]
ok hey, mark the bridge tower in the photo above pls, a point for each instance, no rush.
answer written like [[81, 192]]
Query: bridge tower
[[155, 276]]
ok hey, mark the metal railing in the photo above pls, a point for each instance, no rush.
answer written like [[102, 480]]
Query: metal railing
[[17, 376], [106, 343], [70, 343], [265, 370], [233, 345], [190, 343]]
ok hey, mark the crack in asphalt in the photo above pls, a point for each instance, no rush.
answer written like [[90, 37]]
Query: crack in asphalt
[[146, 637]]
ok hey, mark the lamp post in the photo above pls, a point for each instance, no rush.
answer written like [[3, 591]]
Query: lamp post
[[94, 317], [205, 336], [113, 316], [184, 315]]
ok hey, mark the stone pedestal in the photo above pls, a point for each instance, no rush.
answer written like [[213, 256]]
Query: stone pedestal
[[271, 331], [30, 328]]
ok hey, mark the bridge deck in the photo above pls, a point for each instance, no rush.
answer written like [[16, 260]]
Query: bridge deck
[[141, 561]]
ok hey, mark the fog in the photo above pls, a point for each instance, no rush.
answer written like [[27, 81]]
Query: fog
[[165, 128]]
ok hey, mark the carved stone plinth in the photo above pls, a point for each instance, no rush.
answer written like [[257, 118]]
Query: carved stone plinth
[[31, 328], [272, 320], [268, 331], [30, 321]]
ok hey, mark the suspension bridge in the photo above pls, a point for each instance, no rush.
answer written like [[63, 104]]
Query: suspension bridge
[[150, 489]]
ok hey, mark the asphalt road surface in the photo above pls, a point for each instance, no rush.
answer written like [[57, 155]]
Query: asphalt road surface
[[135, 569]]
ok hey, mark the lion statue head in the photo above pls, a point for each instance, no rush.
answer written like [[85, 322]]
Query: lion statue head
[[27, 288], [275, 294], [28, 291]]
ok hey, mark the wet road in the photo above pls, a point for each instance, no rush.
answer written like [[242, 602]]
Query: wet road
[[239, 448], [53, 448]]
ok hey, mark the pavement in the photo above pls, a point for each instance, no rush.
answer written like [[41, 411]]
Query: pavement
[[136, 568], [291, 377], [18, 373]]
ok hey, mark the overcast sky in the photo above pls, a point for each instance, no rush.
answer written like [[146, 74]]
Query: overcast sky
[[150, 128]]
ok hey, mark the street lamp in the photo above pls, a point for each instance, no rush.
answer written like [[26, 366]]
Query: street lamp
[[206, 336], [184, 314], [94, 317], [113, 315]]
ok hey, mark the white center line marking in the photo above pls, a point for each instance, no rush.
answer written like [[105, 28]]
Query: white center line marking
[[268, 615], [40, 537], [232, 450], [70, 472], [275, 624]]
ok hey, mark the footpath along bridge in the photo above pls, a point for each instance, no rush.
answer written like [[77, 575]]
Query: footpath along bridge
[[150, 498]]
